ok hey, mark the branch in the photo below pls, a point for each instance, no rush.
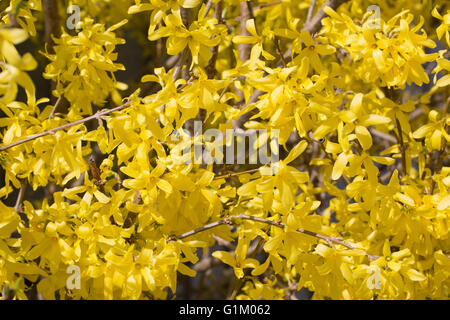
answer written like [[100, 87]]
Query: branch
[[233, 174], [200, 229], [442, 152], [277, 46], [313, 25], [265, 5], [246, 14], [211, 67], [208, 7], [180, 64], [383, 135], [98, 115], [51, 21], [18, 205], [402, 146], [186, 18], [251, 254], [310, 11], [55, 106], [228, 221]]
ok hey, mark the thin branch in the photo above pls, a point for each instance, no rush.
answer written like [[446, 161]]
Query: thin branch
[[98, 115], [438, 167], [208, 7], [233, 174], [225, 89], [18, 205], [246, 14], [52, 30], [224, 243], [211, 67], [251, 254], [402, 145], [265, 5], [55, 106], [313, 25], [229, 221], [415, 114], [51, 21], [200, 229], [310, 11], [383, 135], [277, 46], [442, 152], [186, 18], [181, 62]]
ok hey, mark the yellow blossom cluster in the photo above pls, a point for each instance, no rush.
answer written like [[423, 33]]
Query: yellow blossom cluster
[[356, 207]]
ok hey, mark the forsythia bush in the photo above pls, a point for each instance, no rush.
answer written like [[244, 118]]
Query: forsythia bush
[[357, 207]]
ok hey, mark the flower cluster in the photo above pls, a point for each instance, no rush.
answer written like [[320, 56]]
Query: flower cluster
[[83, 66], [357, 208]]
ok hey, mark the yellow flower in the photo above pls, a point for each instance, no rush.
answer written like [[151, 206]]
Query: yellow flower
[[239, 262], [444, 28]]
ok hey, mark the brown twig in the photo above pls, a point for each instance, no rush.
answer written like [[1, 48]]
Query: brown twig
[[18, 205], [181, 62], [246, 14], [233, 174], [383, 135], [438, 167], [402, 145], [313, 25], [98, 115], [265, 5], [310, 11], [251, 254], [51, 30], [200, 229], [208, 7], [225, 89], [55, 106], [277, 46], [229, 221], [210, 69], [442, 152], [51, 22]]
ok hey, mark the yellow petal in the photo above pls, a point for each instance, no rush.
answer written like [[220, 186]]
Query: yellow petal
[[364, 137], [423, 131], [339, 166], [244, 39], [415, 275], [356, 103], [444, 203], [250, 25], [379, 59], [175, 45], [164, 185], [296, 151], [101, 197], [225, 257], [190, 3], [436, 139]]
